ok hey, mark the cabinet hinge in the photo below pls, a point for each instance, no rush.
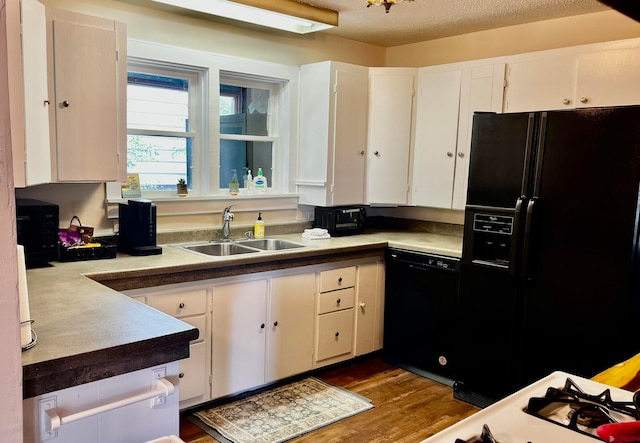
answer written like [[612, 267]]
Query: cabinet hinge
[[335, 88], [117, 55]]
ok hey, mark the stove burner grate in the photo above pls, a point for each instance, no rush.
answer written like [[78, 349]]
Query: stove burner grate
[[485, 437], [585, 411]]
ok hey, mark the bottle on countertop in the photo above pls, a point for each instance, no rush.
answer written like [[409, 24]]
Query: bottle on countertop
[[260, 183], [258, 228], [234, 184], [248, 182]]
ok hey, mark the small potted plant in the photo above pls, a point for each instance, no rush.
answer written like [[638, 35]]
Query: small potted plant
[[182, 187]]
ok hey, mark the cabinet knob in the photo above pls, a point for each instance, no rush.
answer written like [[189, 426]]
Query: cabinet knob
[[449, 154], [339, 279], [362, 152], [566, 101], [584, 100], [262, 326], [181, 375], [181, 305], [461, 154], [65, 104], [362, 305], [337, 334], [275, 323], [47, 102], [338, 301], [376, 153]]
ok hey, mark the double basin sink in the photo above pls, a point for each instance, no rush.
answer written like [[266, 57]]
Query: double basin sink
[[235, 247]]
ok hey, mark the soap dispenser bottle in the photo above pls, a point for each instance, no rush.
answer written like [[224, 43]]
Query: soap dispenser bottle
[[234, 184], [258, 228], [260, 183]]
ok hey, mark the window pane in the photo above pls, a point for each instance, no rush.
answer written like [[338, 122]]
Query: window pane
[[243, 155], [160, 161], [157, 103], [243, 110]]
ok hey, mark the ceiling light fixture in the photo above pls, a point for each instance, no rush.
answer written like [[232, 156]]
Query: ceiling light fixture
[[386, 3], [286, 15]]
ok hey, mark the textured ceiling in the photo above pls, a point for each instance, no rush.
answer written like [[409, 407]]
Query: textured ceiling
[[419, 20]]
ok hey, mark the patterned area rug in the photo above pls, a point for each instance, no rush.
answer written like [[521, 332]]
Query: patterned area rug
[[284, 412]]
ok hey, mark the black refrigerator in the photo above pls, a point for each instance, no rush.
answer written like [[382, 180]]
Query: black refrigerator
[[549, 268]]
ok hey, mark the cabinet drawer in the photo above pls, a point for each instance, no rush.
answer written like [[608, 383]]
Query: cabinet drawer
[[335, 334], [200, 322], [192, 376], [336, 300], [337, 279], [181, 304]]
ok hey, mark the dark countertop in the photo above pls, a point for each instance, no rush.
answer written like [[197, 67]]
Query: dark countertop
[[87, 330]]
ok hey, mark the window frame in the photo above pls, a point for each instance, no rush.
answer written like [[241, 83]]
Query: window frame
[[212, 65]]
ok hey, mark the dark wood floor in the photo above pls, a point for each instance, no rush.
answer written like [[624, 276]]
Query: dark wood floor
[[408, 408]]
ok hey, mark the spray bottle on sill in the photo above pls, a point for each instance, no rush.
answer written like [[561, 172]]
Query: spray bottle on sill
[[248, 182], [258, 228], [260, 183]]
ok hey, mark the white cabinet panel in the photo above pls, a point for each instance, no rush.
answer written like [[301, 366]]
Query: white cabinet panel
[[238, 336], [542, 84], [291, 315], [333, 131], [369, 308], [609, 78], [391, 92]]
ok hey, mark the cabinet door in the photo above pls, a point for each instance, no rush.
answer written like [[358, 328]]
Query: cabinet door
[[32, 166], [482, 90], [86, 102], [609, 78], [536, 85], [335, 334], [291, 315], [389, 141], [349, 138], [238, 337], [193, 373], [370, 308], [436, 138]]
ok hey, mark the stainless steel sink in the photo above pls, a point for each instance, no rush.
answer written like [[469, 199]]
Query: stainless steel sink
[[271, 244], [221, 249]]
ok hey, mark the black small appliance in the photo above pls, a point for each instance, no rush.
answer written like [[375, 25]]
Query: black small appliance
[[137, 234], [340, 220], [37, 226]]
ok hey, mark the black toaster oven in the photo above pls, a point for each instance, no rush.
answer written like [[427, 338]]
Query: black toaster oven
[[340, 220]]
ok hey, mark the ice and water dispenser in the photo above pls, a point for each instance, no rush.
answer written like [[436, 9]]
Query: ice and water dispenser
[[491, 239]]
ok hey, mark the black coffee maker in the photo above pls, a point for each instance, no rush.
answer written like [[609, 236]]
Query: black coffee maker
[[137, 235]]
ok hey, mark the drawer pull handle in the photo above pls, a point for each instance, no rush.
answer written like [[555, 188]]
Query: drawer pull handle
[[275, 323], [262, 326], [181, 375], [338, 301], [337, 334], [181, 305]]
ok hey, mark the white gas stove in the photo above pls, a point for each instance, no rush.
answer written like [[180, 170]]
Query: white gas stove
[[567, 413]]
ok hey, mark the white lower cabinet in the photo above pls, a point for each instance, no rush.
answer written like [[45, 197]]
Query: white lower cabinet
[[263, 327], [369, 308], [190, 306]]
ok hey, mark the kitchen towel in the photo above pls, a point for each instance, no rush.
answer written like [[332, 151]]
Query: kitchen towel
[[315, 234], [23, 294]]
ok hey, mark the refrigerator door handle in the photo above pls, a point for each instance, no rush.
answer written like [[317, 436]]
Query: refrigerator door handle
[[528, 228], [513, 255]]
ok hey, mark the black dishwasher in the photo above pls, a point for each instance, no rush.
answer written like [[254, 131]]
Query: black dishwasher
[[419, 317]]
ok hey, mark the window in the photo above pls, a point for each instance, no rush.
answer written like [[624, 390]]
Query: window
[[198, 115], [247, 137]]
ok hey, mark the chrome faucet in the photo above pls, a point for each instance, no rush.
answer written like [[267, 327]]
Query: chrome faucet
[[227, 216]]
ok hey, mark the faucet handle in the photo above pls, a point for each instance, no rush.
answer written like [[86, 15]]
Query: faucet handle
[[249, 234]]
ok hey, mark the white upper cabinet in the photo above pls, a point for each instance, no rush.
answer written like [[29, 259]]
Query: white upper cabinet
[[333, 130], [391, 92], [448, 96], [87, 75], [609, 78], [28, 94], [573, 78]]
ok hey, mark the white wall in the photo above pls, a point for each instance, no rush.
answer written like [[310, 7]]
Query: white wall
[[10, 362]]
